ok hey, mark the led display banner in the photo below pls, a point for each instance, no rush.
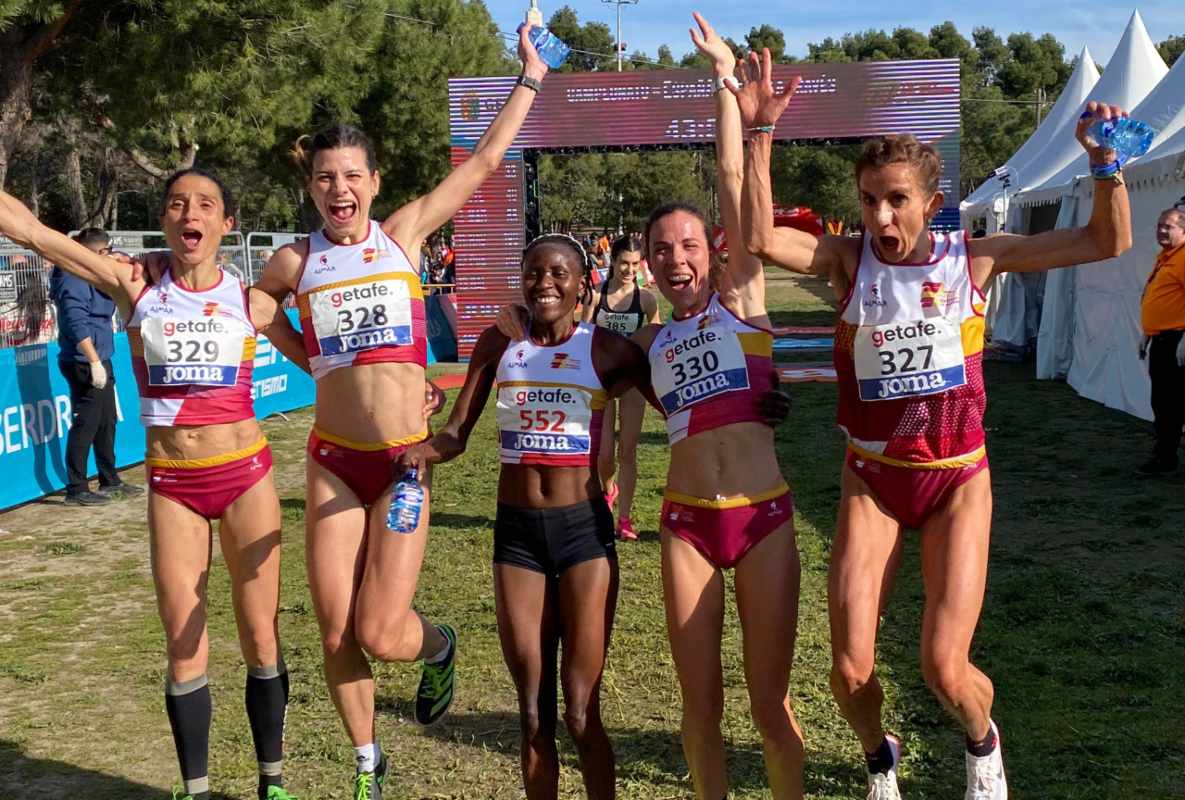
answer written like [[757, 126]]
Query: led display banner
[[608, 110]]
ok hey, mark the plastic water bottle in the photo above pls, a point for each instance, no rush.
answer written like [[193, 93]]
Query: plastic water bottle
[[535, 15], [549, 46], [1128, 137], [407, 498]]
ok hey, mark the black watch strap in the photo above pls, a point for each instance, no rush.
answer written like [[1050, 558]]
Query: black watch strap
[[531, 83]]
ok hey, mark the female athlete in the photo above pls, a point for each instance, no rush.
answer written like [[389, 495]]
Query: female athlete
[[908, 352], [192, 337], [362, 317], [623, 307]]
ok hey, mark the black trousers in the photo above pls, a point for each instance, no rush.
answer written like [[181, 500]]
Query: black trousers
[[93, 422], [1168, 393]]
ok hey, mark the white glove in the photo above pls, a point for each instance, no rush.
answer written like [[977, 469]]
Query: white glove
[[98, 374], [1181, 352]]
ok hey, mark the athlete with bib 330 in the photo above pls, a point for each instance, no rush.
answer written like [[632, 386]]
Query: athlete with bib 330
[[908, 353], [362, 316], [192, 337]]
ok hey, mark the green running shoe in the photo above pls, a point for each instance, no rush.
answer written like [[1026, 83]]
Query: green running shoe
[[369, 785], [436, 683], [279, 793], [177, 790]]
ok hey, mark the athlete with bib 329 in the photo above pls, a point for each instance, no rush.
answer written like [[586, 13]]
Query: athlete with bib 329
[[192, 336], [908, 353], [362, 316]]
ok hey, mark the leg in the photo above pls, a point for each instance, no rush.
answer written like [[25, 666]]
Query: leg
[[633, 409], [250, 538], [335, 526], [864, 558], [954, 570], [767, 583], [693, 592], [386, 625], [1168, 395], [84, 420], [105, 431], [526, 627], [588, 601], [180, 544], [605, 465]]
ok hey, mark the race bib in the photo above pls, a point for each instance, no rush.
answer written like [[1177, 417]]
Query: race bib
[[909, 359], [200, 352], [361, 316], [552, 420], [620, 322], [693, 369]]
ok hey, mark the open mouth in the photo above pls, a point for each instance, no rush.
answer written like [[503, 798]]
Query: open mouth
[[888, 244], [342, 212], [191, 239], [546, 300], [679, 282]]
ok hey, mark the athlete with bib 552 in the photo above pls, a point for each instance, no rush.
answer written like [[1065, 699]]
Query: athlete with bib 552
[[555, 566], [192, 337], [362, 316], [623, 307], [908, 353]]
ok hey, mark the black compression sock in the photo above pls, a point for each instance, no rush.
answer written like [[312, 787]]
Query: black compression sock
[[882, 760], [267, 699], [189, 708], [984, 746]]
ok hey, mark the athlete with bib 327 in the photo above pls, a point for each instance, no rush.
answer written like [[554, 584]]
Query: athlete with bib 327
[[555, 566], [192, 336], [623, 307], [362, 316], [908, 353]]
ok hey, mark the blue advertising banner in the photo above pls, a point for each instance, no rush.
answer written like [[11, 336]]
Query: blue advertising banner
[[35, 412]]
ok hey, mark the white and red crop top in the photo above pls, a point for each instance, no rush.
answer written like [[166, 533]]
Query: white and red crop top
[[193, 352], [550, 402], [909, 358], [360, 304], [710, 370]]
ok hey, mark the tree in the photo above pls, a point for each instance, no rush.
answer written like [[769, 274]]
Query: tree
[[767, 36], [592, 38], [1171, 48]]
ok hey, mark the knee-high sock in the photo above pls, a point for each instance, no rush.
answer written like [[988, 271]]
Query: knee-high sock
[[267, 703], [189, 708]]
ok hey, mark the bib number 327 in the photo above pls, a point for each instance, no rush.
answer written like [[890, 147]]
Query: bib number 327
[[909, 359]]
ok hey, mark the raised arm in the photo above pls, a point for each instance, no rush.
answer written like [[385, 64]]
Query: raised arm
[[746, 277], [760, 107], [410, 224], [282, 271], [107, 274], [1106, 235], [451, 440]]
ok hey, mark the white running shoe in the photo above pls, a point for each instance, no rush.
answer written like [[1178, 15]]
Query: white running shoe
[[883, 785], [985, 776]]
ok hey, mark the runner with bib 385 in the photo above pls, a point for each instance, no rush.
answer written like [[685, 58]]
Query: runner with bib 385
[[908, 354]]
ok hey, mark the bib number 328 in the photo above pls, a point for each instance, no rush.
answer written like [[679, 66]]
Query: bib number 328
[[901, 360]]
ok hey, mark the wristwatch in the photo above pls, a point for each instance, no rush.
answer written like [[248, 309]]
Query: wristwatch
[[531, 83]]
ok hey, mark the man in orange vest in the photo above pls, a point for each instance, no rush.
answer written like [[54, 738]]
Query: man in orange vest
[[1162, 315]]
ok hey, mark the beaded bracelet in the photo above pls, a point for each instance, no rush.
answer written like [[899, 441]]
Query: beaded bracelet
[[762, 129]]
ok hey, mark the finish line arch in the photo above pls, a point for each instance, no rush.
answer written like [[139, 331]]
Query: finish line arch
[[604, 111]]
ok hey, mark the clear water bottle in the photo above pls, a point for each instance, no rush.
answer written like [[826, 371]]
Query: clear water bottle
[[1128, 137], [549, 46], [407, 498], [535, 15]]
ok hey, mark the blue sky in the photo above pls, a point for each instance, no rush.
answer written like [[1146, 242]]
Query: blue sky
[[651, 23]]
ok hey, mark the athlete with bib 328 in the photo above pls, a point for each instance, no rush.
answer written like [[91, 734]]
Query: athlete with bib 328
[[555, 566], [192, 336], [623, 307], [362, 316], [908, 353]]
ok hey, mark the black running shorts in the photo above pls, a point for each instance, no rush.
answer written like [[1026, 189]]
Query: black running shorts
[[550, 540]]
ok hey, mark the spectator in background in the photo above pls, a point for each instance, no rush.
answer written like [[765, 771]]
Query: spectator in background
[[1162, 315], [86, 345]]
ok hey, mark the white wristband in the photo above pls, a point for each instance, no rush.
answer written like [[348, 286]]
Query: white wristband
[[720, 83]]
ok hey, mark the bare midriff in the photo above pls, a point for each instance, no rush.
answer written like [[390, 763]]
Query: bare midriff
[[372, 403], [726, 462], [185, 442]]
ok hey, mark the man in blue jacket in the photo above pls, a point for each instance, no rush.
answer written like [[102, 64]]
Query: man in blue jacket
[[86, 343]]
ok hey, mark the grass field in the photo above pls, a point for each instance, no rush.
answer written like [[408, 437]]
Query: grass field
[[1083, 631]]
